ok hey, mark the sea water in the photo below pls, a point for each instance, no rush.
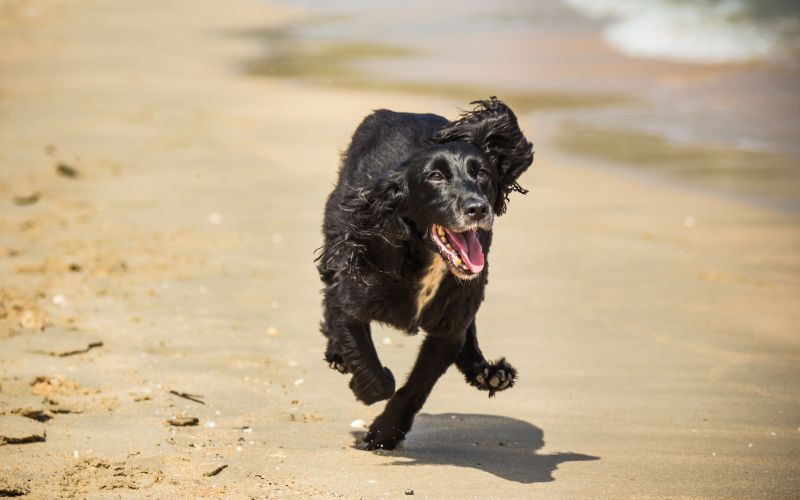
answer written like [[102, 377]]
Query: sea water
[[706, 90]]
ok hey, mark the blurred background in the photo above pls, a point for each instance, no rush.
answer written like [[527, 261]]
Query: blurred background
[[702, 92]]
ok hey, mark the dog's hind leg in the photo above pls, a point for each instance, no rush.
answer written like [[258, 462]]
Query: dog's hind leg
[[489, 376], [391, 426]]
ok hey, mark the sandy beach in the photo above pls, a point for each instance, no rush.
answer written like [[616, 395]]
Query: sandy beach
[[159, 212]]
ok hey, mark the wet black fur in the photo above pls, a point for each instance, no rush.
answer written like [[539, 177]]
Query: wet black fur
[[377, 248]]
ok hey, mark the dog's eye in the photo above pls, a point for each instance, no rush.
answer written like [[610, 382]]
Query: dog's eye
[[483, 175], [435, 177]]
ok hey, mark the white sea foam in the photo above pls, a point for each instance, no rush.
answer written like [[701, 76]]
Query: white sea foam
[[693, 31]]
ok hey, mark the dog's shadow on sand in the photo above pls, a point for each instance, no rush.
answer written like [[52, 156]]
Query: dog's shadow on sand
[[505, 447]]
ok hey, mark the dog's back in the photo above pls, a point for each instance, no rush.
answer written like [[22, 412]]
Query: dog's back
[[383, 140]]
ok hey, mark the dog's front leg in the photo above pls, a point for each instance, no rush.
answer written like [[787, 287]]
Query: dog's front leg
[[492, 376], [391, 426], [371, 382]]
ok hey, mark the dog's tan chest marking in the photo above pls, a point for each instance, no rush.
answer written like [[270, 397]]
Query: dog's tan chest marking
[[429, 284]]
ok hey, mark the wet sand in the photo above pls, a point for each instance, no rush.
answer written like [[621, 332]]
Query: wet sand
[[171, 277]]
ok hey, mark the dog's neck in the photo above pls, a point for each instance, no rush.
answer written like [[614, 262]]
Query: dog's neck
[[430, 281]]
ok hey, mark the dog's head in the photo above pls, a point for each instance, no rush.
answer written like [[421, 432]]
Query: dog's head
[[492, 127], [450, 195], [464, 178], [448, 190]]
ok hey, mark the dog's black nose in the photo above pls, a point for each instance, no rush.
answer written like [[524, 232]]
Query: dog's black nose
[[476, 210]]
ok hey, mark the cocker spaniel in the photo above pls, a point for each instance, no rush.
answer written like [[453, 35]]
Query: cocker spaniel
[[407, 234]]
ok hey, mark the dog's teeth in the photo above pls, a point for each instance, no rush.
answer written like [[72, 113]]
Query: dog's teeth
[[458, 262]]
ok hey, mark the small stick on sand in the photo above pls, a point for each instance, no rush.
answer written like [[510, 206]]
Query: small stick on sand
[[216, 471], [190, 397]]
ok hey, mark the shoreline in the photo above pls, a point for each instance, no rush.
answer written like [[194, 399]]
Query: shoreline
[[679, 112]]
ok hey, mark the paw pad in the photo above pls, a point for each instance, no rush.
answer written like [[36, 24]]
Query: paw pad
[[494, 377]]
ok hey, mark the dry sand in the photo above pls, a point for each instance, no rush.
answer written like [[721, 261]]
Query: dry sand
[[655, 329]]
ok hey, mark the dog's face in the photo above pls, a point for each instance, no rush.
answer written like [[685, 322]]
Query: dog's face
[[451, 194]]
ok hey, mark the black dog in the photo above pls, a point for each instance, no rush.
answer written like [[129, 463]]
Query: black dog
[[407, 231]]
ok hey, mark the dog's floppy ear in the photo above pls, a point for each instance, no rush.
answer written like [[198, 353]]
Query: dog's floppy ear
[[371, 216], [492, 127]]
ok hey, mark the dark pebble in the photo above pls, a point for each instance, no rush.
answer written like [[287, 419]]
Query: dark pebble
[[26, 200], [67, 171], [183, 421]]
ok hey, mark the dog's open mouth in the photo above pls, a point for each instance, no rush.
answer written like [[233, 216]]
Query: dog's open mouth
[[461, 250]]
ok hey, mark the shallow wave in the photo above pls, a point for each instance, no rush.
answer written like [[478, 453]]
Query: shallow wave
[[711, 31]]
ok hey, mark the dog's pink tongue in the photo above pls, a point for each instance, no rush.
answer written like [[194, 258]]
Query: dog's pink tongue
[[469, 249]]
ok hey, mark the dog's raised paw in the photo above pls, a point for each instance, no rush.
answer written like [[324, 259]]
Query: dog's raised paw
[[370, 389], [494, 377], [339, 366], [335, 362]]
